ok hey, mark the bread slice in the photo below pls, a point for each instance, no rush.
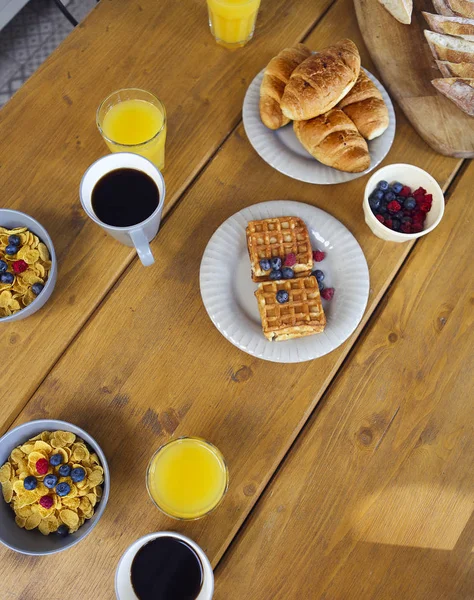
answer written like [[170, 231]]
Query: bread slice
[[450, 48], [455, 8], [458, 26], [450, 69], [400, 9], [458, 90]]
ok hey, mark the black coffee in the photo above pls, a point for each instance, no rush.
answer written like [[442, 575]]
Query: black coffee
[[166, 569], [125, 197]]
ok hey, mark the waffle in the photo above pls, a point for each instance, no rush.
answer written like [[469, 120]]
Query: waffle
[[279, 237], [302, 315]]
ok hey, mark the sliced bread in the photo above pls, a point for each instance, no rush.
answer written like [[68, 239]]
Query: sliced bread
[[400, 9], [450, 69], [450, 48], [458, 90], [458, 26], [455, 8]]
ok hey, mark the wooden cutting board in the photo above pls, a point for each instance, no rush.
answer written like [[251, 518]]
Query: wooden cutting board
[[406, 65]]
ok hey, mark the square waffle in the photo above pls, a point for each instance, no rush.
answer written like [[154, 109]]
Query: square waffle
[[280, 236], [302, 315]]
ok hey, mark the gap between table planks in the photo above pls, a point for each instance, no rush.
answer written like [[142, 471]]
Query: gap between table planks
[[49, 138], [375, 500], [149, 364]]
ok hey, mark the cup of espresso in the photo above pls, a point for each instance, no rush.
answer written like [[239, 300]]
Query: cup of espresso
[[124, 193], [164, 566]]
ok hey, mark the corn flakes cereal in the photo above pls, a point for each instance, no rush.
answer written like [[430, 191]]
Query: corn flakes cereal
[[41, 496], [24, 273]]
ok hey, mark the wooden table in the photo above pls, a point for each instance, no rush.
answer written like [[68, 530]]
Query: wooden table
[[351, 476]]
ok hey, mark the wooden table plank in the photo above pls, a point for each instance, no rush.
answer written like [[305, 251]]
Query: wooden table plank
[[49, 138], [150, 364], [376, 498]]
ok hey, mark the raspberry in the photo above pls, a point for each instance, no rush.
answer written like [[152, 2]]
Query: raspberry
[[327, 293], [419, 192], [19, 266], [388, 223], [418, 216], [406, 227], [318, 256], [290, 260], [424, 206], [380, 218], [394, 206], [405, 191], [416, 227], [42, 466], [46, 501]]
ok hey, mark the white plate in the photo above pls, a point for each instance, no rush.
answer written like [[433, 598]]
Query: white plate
[[282, 150], [227, 289]]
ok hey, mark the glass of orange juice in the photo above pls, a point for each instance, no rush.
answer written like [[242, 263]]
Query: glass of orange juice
[[187, 478], [133, 120], [232, 22]]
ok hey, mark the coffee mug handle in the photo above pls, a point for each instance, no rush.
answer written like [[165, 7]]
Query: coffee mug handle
[[142, 246]]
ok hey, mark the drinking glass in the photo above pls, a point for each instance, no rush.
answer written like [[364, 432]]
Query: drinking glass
[[232, 22]]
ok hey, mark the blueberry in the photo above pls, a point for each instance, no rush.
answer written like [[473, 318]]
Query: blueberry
[[78, 474], [7, 278], [398, 214], [374, 203], [287, 273], [37, 288], [376, 195], [11, 250], [64, 470], [396, 224], [276, 262], [62, 530], [406, 219], [14, 240], [382, 185], [63, 489], [282, 296], [265, 264], [410, 203], [50, 481], [397, 187], [321, 286], [3, 266], [318, 274], [30, 483], [276, 274], [389, 196], [56, 460]]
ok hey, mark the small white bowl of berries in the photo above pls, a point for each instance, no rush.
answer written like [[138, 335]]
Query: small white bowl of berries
[[402, 202]]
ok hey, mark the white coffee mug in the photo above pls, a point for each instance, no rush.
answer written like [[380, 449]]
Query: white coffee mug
[[141, 234], [123, 579]]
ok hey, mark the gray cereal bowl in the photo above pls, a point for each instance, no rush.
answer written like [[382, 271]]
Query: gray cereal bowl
[[14, 218], [33, 542]]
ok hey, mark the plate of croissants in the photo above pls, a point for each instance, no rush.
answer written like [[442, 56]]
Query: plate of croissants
[[319, 116]]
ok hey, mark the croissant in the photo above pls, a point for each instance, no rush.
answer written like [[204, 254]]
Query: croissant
[[321, 81], [277, 75], [334, 140], [364, 105]]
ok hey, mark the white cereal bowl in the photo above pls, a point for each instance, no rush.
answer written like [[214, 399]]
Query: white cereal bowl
[[414, 177], [14, 218]]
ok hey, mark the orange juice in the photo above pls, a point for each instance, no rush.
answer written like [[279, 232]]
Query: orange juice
[[134, 121], [187, 478], [233, 21]]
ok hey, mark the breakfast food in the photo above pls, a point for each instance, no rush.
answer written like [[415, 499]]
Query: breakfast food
[[277, 74], [24, 268], [334, 140], [278, 243], [458, 90], [455, 8], [399, 208], [450, 69], [290, 309], [450, 48], [52, 482], [458, 26], [321, 81], [400, 9], [364, 105]]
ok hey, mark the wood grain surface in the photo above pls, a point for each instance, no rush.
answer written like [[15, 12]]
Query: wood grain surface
[[376, 498], [49, 138], [149, 364], [405, 62]]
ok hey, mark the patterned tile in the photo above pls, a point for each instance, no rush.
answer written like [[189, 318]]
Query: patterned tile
[[25, 34]]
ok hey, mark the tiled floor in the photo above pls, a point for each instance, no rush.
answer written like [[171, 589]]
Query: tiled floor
[[30, 37]]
